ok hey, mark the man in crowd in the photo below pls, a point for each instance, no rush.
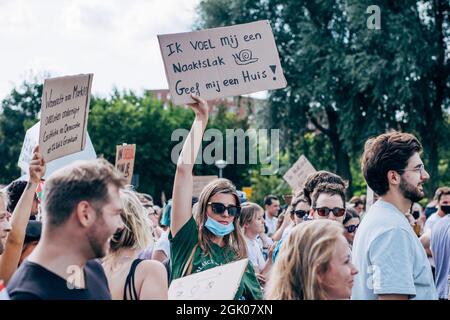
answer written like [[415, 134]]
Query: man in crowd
[[440, 248], [442, 198], [443, 209], [271, 211], [81, 213], [392, 262], [328, 202]]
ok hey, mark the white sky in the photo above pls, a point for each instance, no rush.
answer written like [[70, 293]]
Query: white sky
[[114, 39]]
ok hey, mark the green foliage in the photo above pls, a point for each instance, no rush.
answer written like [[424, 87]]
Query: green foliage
[[352, 82], [18, 113]]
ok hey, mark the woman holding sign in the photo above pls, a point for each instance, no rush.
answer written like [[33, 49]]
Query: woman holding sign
[[213, 238]]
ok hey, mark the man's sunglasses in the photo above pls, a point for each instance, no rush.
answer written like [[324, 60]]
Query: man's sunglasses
[[300, 213], [219, 208], [324, 212], [352, 228]]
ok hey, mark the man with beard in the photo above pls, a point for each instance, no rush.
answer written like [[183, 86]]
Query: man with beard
[[392, 262], [81, 213]]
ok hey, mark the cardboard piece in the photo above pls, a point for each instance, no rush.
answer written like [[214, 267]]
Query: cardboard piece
[[298, 173], [221, 62], [32, 139], [64, 115], [248, 191], [200, 182], [125, 155], [219, 283]]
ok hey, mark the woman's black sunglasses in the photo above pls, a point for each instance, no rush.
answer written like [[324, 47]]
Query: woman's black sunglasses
[[352, 228], [219, 208], [300, 213]]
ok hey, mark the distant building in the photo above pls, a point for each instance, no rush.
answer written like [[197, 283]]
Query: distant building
[[242, 106]]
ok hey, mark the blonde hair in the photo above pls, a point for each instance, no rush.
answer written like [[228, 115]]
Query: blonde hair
[[248, 213], [235, 240], [306, 254], [137, 232]]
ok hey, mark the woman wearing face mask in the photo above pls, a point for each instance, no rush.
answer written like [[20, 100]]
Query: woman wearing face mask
[[214, 237]]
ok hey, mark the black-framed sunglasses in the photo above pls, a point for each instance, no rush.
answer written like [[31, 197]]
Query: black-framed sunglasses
[[324, 211], [352, 228], [219, 208], [300, 213]]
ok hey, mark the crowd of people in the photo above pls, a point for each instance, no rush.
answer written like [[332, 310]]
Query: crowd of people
[[89, 236]]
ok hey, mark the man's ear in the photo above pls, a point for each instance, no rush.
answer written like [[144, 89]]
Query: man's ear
[[393, 177], [85, 213]]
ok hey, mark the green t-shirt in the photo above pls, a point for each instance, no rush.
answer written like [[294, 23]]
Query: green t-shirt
[[181, 247]]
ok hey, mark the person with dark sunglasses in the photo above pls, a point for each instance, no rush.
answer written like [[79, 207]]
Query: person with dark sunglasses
[[351, 224], [298, 214], [213, 237], [328, 202]]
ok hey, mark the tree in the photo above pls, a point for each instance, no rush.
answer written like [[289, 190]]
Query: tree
[[18, 113], [127, 118], [349, 81]]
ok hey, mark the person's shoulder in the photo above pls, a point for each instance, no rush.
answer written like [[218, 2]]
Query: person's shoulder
[[29, 280], [24, 296], [186, 230], [149, 265], [150, 269], [441, 225]]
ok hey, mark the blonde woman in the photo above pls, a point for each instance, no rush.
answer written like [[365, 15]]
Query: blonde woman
[[313, 264], [213, 238], [129, 277]]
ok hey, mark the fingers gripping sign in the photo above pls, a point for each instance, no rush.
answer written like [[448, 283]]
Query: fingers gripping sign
[[200, 107], [37, 166]]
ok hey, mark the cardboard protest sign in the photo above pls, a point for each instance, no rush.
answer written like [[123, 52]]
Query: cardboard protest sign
[[248, 191], [219, 283], [200, 182], [125, 155], [221, 62], [32, 139], [298, 173], [64, 115]]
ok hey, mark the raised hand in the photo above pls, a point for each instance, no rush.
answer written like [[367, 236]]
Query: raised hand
[[200, 107], [37, 166]]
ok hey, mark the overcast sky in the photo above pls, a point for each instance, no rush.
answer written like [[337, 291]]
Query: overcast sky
[[114, 39]]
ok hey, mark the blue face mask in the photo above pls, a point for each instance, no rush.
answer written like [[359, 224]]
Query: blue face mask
[[217, 228]]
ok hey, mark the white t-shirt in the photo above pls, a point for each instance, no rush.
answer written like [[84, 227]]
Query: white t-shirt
[[389, 257], [287, 230], [431, 221], [255, 254], [163, 243], [271, 224]]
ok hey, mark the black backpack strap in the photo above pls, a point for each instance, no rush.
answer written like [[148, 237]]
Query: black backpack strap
[[129, 292]]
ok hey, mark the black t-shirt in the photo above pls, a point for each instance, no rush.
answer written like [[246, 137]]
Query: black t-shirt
[[33, 282]]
